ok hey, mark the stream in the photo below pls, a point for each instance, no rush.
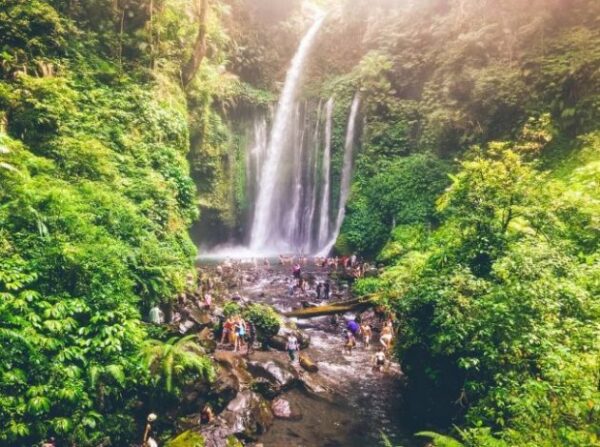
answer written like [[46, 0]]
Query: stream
[[363, 403]]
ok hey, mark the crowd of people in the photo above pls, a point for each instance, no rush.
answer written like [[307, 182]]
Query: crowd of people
[[359, 330], [239, 334]]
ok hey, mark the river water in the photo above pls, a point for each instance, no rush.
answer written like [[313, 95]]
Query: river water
[[362, 404]]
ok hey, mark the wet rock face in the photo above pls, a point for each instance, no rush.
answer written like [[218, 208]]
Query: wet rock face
[[282, 409], [231, 375], [225, 387], [207, 339], [280, 375], [248, 415], [202, 317]]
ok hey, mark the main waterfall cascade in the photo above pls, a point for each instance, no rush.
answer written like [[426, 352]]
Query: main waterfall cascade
[[277, 188], [288, 170]]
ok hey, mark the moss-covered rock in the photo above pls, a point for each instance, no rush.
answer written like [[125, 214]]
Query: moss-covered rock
[[189, 439]]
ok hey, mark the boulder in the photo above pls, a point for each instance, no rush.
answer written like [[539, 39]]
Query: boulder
[[307, 363], [248, 415], [280, 341], [281, 375], [201, 316], [265, 388], [185, 326], [234, 363], [187, 439], [313, 384], [218, 435], [225, 387], [207, 339], [282, 409]]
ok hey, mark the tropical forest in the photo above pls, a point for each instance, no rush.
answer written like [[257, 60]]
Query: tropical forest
[[299, 223]]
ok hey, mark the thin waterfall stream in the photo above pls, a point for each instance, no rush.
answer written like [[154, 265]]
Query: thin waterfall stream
[[346, 174]]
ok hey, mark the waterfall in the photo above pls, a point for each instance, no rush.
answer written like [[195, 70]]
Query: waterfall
[[295, 218], [255, 156], [275, 190], [325, 191], [346, 174], [313, 181]]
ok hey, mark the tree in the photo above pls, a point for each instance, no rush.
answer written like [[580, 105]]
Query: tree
[[199, 50]]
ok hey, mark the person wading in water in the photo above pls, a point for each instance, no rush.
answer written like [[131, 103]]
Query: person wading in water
[[386, 336], [379, 360], [292, 346], [367, 333], [350, 341]]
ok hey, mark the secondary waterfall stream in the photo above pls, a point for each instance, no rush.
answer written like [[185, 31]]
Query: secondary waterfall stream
[[346, 174]]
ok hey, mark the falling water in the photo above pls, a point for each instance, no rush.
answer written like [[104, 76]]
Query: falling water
[[346, 173], [313, 181], [324, 215], [275, 188], [295, 218], [255, 156]]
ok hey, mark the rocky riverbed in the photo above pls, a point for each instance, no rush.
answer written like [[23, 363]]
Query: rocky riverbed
[[263, 399]]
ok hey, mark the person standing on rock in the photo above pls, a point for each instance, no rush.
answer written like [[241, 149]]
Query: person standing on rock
[[207, 300], [292, 346], [327, 290], [297, 271], [227, 328], [240, 333], [250, 337], [353, 327], [319, 288], [156, 316]]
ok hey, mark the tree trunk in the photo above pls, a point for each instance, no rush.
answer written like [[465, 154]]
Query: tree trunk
[[339, 307], [192, 65]]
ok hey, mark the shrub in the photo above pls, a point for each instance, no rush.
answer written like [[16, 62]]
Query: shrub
[[265, 319], [231, 308]]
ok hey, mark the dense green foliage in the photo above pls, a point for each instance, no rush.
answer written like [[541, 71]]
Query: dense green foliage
[[494, 281], [498, 306], [95, 203], [476, 184], [265, 319]]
